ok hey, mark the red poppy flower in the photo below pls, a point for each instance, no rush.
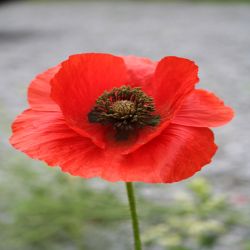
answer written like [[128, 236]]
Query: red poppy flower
[[122, 118]]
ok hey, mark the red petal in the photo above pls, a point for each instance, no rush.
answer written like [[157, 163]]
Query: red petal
[[178, 153], [203, 109], [80, 81], [39, 91], [140, 70], [174, 78], [45, 136], [145, 135]]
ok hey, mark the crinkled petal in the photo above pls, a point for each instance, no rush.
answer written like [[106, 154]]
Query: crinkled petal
[[176, 154], [203, 109], [173, 80], [140, 71], [45, 136], [144, 136], [80, 81], [39, 91]]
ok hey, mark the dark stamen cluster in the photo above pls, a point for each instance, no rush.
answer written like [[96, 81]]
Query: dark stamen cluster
[[126, 109]]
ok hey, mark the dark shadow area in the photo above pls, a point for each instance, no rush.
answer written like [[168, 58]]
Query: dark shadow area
[[7, 36], [7, 1]]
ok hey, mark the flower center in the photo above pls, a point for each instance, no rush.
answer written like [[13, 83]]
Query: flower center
[[126, 109]]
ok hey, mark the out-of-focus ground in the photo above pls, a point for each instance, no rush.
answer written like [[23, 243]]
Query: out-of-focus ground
[[36, 36]]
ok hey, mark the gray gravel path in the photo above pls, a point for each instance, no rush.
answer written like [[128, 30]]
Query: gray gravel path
[[34, 37]]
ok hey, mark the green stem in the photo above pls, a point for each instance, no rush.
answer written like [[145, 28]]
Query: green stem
[[134, 217]]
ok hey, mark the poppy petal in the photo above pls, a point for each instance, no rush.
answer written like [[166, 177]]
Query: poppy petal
[[45, 136], [203, 109], [144, 136], [174, 78], [140, 70], [39, 91], [178, 153], [80, 81]]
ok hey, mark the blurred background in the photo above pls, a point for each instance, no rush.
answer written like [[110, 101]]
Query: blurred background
[[44, 209]]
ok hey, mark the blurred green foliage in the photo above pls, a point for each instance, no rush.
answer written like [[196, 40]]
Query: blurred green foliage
[[55, 214], [194, 221], [45, 209]]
